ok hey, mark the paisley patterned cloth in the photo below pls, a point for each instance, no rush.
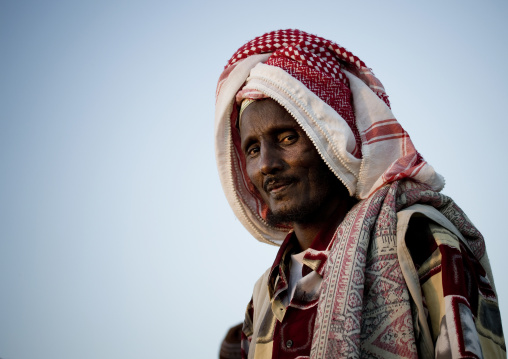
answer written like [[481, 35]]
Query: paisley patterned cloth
[[365, 309]]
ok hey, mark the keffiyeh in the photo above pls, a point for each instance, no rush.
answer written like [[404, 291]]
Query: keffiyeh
[[336, 99]]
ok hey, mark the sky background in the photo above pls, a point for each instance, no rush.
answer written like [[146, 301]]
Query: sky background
[[116, 240]]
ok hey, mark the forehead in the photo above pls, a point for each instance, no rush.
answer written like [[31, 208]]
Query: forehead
[[263, 116]]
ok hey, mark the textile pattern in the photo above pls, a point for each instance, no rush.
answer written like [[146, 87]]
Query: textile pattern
[[459, 298], [314, 51], [364, 310]]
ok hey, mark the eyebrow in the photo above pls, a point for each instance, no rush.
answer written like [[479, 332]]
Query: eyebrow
[[244, 144]]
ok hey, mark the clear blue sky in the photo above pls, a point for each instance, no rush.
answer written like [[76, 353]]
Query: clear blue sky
[[116, 240]]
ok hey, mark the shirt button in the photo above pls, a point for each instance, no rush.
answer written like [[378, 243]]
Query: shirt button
[[289, 344]]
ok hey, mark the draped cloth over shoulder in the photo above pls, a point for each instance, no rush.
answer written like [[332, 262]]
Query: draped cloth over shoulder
[[365, 308]]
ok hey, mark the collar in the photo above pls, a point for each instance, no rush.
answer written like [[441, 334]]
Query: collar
[[314, 259]]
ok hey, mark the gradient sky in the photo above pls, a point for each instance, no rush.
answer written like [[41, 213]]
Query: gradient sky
[[116, 240]]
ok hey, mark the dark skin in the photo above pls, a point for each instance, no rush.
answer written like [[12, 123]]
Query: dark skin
[[289, 174]]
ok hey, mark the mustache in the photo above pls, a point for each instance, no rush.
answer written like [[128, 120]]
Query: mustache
[[272, 181]]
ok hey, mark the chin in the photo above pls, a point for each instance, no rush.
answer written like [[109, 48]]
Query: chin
[[289, 214]]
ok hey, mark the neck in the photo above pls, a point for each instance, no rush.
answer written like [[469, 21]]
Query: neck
[[334, 215]]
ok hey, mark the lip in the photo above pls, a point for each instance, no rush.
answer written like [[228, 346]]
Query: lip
[[275, 187]]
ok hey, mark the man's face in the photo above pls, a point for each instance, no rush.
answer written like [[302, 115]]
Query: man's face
[[284, 165]]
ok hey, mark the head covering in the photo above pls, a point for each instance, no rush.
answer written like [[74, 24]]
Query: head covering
[[338, 102]]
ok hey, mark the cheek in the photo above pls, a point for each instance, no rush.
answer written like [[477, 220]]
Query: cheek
[[253, 177], [316, 171], [308, 161]]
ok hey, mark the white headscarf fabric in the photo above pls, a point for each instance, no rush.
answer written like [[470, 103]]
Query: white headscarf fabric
[[352, 127]]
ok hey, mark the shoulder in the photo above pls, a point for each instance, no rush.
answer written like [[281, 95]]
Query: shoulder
[[260, 292]]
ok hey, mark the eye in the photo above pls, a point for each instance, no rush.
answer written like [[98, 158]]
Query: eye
[[252, 150], [288, 137]]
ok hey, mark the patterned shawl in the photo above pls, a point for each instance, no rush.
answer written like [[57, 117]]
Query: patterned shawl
[[365, 307], [344, 110]]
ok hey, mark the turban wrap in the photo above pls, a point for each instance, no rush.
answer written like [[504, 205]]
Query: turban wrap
[[335, 98]]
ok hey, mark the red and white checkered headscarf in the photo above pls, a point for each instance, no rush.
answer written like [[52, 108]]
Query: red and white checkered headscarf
[[338, 102]]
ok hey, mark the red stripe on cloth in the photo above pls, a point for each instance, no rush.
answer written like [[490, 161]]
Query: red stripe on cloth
[[430, 274], [417, 169], [388, 130], [375, 124], [402, 165], [386, 138], [453, 271], [458, 303], [406, 167]]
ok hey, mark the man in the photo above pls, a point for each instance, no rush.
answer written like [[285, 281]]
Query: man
[[374, 262]]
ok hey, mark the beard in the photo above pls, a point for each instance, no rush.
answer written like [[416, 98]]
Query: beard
[[296, 214], [308, 211]]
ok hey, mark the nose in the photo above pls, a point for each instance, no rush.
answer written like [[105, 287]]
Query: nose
[[271, 160]]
